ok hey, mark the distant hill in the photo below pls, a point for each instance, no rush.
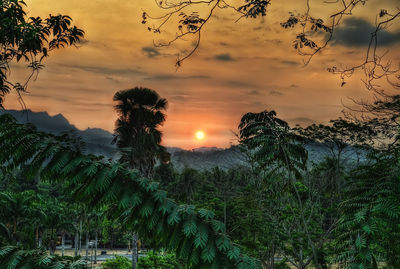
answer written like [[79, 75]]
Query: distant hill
[[98, 141], [207, 158]]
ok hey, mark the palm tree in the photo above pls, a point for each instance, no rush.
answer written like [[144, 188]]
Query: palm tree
[[16, 208], [138, 138], [140, 112]]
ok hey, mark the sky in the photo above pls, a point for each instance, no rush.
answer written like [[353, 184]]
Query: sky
[[240, 67]]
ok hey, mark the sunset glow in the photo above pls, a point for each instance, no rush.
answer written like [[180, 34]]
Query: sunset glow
[[248, 66], [200, 135]]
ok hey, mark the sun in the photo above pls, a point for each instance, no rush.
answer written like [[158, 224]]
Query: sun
[[200, 135]]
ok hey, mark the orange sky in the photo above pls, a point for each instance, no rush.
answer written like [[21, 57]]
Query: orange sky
[[240, 67]]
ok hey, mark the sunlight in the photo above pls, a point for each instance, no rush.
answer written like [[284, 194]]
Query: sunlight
[[200, 135]]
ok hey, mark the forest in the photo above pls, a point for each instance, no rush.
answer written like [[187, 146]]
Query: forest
[[279, 209]]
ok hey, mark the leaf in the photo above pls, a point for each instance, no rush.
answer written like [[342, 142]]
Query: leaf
[[201, 237], [206, 214], [233, 253], [190, 227]]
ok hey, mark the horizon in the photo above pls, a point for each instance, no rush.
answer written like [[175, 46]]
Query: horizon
[[110, 132], [249, 66]]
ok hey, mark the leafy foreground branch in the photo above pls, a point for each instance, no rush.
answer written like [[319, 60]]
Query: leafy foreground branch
[[15, 257], [193, 234]]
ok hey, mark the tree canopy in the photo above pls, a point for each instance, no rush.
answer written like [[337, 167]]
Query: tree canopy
[[30, 39]]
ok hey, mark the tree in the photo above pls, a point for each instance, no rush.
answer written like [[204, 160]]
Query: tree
[[369, 225], [272, 141], [140, 112], [16, 209], [280, 154], [341, 136], [137, 137], [194, 234], [30, 39]]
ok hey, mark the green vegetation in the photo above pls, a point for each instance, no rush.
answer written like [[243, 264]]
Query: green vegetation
[[344, 209], [118, 262], [277, 210], [29, 39], [156, 260]]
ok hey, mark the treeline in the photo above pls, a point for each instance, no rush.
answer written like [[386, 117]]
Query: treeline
[[283, 210], [343, 209]]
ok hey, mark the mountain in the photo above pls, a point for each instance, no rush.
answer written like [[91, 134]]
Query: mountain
[[98, 141], [207, 158]]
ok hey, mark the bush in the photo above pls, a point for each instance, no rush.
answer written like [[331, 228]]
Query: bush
[[282, 265], [118, 262], [152, 261]]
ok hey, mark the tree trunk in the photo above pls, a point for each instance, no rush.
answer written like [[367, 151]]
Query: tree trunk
[[52, 245], [87, 244], [76, 243], [40, 241], [112, 240], [80, 237], [95, 248], [37, 237], [225, 211], [62, 243], [134, 251], [272, 256], [14, 235]]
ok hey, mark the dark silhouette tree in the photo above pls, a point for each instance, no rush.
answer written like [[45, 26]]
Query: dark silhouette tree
[[16, 209], [30, 39], [138, 138]]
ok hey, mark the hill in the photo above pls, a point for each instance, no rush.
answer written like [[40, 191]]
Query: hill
[[98, 141]]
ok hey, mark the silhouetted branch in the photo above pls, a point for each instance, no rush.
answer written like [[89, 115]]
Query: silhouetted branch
[[373, 66], [192, 24]]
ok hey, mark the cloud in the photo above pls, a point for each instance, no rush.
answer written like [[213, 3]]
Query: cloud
[[254, 92], [83, 42], [163, 77], [113, 79], [356, 32], [291, 63], [240, 84], [151, 52], [224, 57], [302, 121], [275, 92], [179, 98], [105, 70], [71, 101]]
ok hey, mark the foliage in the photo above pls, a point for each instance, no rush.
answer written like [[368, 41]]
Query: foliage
[[194, 234], [119, 262], [272, 142], [137, 137], [369, 227], [160, 261], [340, 135], [30, 39], [13, 257]]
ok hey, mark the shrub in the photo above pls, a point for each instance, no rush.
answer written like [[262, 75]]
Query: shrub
[[282, 265], [152, 260], [118, 262]]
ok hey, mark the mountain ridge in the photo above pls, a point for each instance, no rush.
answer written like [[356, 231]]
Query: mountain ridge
[[98, 141]]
